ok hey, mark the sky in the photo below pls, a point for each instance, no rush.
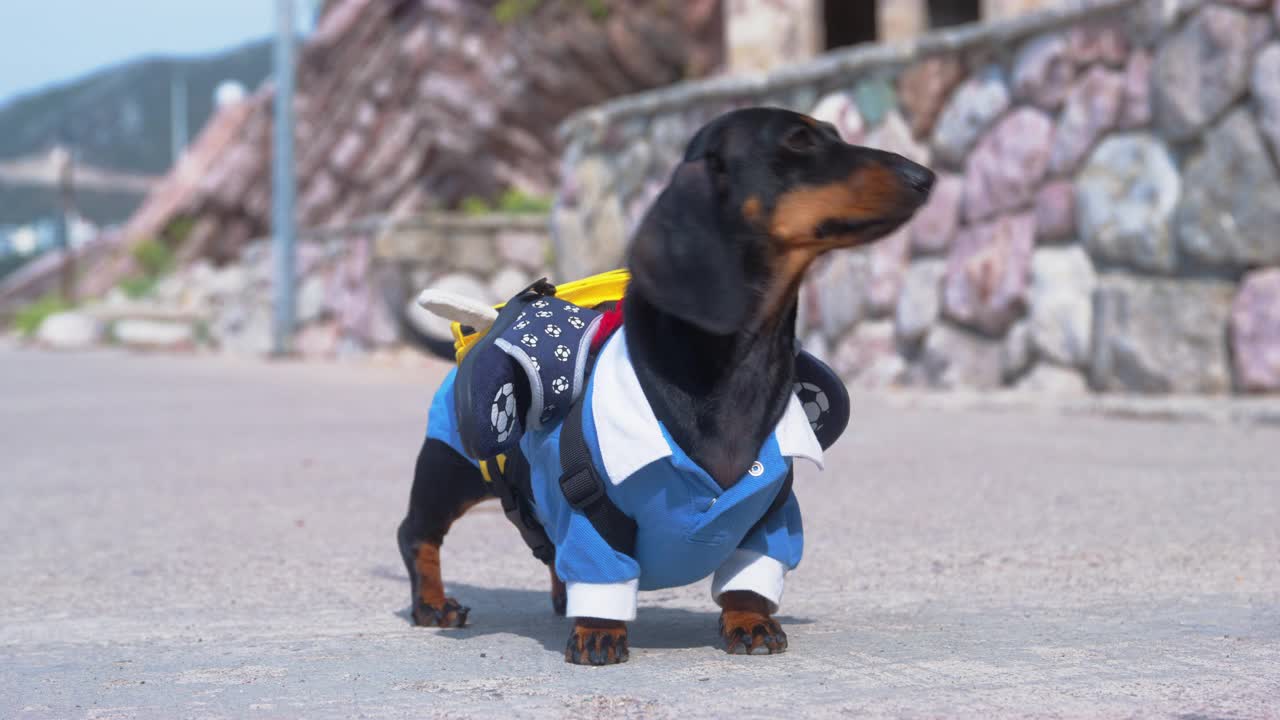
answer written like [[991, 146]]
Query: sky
[[45, 42]]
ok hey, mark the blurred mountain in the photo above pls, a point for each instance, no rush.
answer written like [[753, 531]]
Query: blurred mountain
[[119, 118]]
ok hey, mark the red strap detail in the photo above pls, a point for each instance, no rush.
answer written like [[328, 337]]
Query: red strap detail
[[609, 322]]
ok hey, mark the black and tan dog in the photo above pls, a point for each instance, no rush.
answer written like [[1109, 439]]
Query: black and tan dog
[[709, 328]]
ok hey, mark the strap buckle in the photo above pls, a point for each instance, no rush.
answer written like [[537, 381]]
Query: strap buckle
[[581, 485]]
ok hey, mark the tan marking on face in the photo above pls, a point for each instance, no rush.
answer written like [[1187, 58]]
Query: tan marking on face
[[871, 193], [868, 194], [751, 209], [809, 121]]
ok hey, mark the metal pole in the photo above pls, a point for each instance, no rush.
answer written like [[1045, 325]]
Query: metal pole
[[178, 112], [282, 192], [65, 163]]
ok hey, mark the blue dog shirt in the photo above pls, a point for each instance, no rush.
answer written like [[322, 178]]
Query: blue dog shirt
[[688, 526]]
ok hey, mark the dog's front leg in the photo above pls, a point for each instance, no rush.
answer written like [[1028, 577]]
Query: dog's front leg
[[746, 626], [597, 642]]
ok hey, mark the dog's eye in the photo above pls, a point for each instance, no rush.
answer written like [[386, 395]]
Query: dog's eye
[[800, 140]]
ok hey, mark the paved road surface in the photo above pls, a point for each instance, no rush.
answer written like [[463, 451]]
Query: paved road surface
[[196, 538]]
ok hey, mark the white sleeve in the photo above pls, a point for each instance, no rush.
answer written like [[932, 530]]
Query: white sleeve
[[750, 570], [607, 601]]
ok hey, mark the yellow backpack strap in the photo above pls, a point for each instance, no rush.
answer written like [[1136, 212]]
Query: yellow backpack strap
[[501, 461]]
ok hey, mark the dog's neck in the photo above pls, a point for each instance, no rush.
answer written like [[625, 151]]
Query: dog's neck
[[718, 396]]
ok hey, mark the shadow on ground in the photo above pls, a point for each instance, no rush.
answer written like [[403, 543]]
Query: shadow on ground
[[528, 613]]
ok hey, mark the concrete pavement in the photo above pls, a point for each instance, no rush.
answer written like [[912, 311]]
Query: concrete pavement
[[187, 537]]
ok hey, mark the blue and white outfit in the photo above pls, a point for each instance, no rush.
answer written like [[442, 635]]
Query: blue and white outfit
[[688, 526]]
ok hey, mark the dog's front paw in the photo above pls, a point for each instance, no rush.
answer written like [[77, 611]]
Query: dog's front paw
[[452, 615], [746, 633], [746, 628], [597, 642]]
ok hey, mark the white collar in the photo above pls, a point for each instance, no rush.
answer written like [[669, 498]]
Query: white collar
[[629, 434]]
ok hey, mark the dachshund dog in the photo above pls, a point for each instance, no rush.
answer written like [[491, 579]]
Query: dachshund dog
[[690, 410]]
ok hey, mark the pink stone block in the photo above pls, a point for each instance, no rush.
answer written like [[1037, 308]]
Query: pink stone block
[[1255, 332], [988, 272], [1008, 164]]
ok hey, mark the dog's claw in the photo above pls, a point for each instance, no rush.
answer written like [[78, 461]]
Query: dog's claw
[[452, 615], [752, 635], [597, 645]]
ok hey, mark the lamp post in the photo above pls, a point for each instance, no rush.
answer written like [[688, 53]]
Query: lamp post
[[64, 166], [282, 185]]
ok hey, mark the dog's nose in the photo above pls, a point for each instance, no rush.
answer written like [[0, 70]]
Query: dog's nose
[[919, 177]]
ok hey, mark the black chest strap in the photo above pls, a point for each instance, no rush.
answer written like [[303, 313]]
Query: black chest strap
[[584, 489]]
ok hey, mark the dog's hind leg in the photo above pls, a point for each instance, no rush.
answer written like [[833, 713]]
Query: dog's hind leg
[[445, 485]]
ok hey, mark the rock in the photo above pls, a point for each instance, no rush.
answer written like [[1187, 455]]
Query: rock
[[1266, 91], [1061, 313], [888, 267], [1230, 210], [381, 328], [244, 329], [69, 330], [935, 224], [973, 107], [861, 349], [1160, 335], [589, 181], [154, 334], [1200, 70], [507, 282], [875, 99], [1092, 43], [987, 273], [524, 248], [1016, 352], [956, 359], [894, 136], [1125, 199], [470, 250], [839, 110], [924, 87], [606, 228], [1136, 110], [1152, 19], [1056, 211], [1255, 332], [632, 168], [434, 326], [884, 372], [1007, 165], [571, 243], [1092, 108], [838, 290], [1053, 380], [1043, 71], [640, 203], [318, 340], [920, 301], [312, 297]]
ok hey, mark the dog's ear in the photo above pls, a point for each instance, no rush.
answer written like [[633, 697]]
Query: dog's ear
[[683, 262]]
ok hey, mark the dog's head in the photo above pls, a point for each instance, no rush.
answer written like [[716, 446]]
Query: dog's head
[[760, 194]]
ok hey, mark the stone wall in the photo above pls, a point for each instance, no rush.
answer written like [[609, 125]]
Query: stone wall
[[356, 285], [1106, 215]]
